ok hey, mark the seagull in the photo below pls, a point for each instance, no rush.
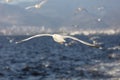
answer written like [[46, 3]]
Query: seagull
[[59, 39], [37, 5], [78, 10], [100, 8], [8, 1], [81, 9], [99, 19]]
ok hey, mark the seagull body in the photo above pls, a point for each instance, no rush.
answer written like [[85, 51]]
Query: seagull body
[[37, 5], [59, 39]]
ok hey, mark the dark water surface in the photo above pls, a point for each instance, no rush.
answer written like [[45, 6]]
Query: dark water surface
[[44, 59]]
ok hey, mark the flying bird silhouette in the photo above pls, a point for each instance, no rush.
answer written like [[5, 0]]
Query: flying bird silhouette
[[59, 39], [37, 5]]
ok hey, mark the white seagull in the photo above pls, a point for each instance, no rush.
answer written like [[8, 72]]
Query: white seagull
[[7, 1], [60, 39], [37, 5]]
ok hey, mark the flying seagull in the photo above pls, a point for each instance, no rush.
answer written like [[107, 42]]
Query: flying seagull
[[59, 39], [37, 5], [78, 10], [7, 1]]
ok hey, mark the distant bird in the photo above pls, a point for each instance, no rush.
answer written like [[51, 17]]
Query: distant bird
[[99, 19], [100, 8], [78, 10], [59, 39], [8, 1], [37, 5], [81, 9]]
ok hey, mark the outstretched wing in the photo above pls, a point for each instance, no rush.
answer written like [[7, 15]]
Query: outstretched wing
[[42, 2], [29, 7], [39, 35], [8, 1], [86, 43]]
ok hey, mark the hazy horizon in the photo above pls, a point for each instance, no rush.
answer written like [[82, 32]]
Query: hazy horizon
[[57, 14]]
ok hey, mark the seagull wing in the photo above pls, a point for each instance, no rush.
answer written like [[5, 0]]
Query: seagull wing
[[29, 7], [42, 2], [8, 1], [39, 35], [86, 43]]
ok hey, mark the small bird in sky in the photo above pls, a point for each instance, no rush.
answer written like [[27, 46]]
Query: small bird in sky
[[7, 1], [100, 8], [80, 9], [37, 6], [59, 39]]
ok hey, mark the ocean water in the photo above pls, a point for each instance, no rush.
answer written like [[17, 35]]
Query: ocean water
[[44, 59]]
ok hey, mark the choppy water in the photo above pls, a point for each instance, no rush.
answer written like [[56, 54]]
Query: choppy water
[[44, 59]]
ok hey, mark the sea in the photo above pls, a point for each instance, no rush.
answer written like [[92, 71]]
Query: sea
[[44, 59]]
